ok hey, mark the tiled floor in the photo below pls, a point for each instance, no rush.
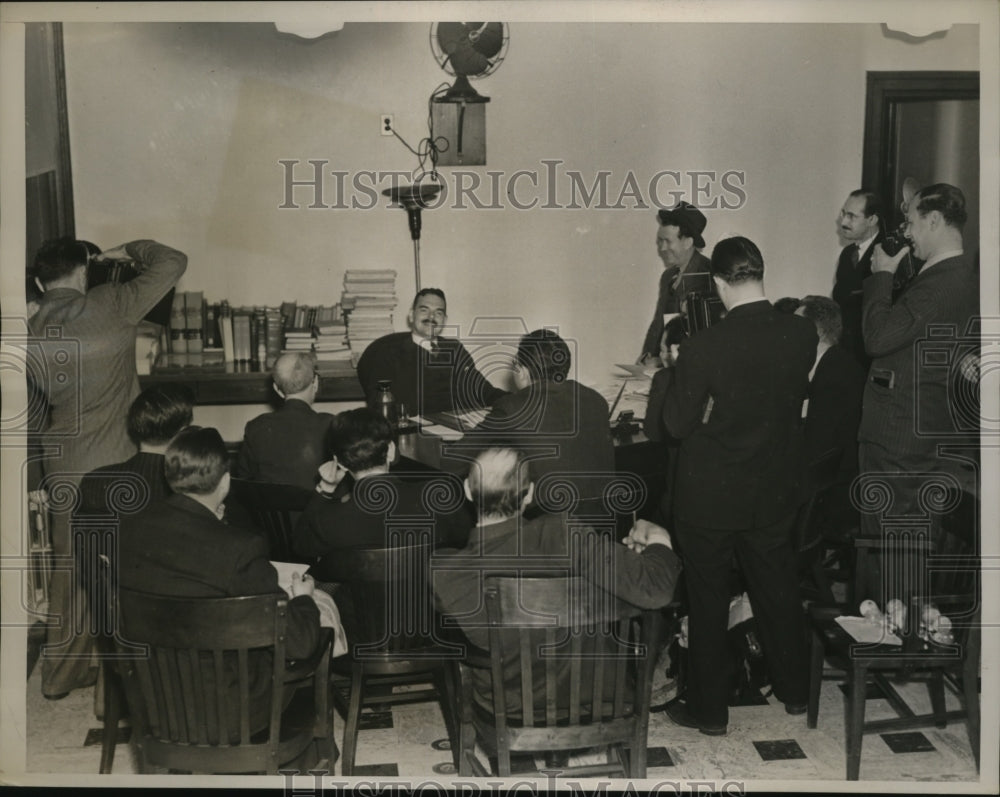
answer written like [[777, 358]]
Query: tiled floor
[[763, 744]]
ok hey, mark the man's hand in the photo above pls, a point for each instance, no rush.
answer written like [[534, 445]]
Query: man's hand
[[884, 262], [302, 584], [117, 253], [330, 475], [645, 533]]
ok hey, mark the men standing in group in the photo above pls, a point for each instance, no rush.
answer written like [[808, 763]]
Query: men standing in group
[[909, 408], [859, 223], [427, 372], [559, 425], [679, 243], [87, 375], [287, 446], [736, 405]]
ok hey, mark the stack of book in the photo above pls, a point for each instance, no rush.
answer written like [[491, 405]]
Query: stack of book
[[187, 322], [331, 335], [368, 301]]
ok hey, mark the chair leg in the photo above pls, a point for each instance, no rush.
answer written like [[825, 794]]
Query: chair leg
[[444, 680], [636, 760], [855, 718], [815, 680], [935, 687], [970, 678], [112, 713], [353, 720]]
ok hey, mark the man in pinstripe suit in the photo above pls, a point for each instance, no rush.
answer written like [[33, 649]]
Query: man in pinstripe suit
[[909, 401], [86, 372]]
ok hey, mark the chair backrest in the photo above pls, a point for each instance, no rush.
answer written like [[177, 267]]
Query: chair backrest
[[274, 508], [390, 612], [571, 654], [207, 685], [821, 474]]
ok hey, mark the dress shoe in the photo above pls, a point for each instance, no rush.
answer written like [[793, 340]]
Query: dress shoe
[[796, 708], [680, 714]]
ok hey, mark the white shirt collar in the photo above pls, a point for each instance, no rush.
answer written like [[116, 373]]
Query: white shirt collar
[[748, 301], [941, 256], [865, 245], [421, 341]]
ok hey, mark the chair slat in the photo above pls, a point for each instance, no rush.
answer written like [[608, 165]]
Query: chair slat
[[551, 662], [186, 694], [221, 698], [621, 665], [168, 684], [575, 672], [597, 693], [527, 681], [244, 676]]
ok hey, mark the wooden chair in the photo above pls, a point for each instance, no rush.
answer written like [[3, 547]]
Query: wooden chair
[[387, 609], [274, 509], [821, 476], [211, 663], [578, 677]]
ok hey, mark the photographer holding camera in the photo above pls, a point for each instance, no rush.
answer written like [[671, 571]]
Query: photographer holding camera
[[86, 372], [906, 412]]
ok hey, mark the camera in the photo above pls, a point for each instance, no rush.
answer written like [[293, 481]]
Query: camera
[[895, 240]]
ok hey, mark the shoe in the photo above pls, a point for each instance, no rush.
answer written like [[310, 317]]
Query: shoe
[[796, 708], [680, 714], [57, 696]]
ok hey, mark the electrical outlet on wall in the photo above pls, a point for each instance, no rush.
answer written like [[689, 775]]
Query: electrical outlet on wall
[[386, 124]]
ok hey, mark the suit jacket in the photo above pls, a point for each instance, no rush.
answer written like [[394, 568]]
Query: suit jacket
[[696, 277], [424, 381], [543, 545], [834, 411], [86, 370], [365, 516], [847, 292], [897, 336], [286, 446], [564, 428], [740, 467], [177, 547]]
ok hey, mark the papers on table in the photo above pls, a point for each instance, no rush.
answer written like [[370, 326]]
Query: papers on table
[[437, 429], [870, 633]]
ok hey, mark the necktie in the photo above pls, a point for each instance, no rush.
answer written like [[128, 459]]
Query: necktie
[[855, 254]]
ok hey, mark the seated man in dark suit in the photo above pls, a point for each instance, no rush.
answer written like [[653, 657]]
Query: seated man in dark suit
[[643, 572], [427, 372], [833, 411], [361, 510], [560, 426], [180, 547], [287, 446]]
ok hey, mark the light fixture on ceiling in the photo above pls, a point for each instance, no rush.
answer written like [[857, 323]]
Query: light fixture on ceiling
[[308, 29]]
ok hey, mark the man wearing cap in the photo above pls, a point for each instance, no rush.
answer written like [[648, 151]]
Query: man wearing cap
[[685, 269]]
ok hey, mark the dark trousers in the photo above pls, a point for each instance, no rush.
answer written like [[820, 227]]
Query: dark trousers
[[767, 559]]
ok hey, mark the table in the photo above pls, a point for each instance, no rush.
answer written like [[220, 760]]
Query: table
[[634, 454]]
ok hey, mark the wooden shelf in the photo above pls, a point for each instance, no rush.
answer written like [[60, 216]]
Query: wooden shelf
[[246, 383]]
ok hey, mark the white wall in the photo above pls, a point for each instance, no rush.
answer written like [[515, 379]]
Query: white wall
[[177, 130]]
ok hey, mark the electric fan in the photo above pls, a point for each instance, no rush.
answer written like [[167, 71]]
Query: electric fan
[[468, 49]]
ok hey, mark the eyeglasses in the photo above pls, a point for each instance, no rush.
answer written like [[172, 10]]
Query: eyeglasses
[[852, 216]]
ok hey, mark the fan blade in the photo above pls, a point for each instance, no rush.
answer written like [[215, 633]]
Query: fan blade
[[451, 35], [490, 39], [466, 61]]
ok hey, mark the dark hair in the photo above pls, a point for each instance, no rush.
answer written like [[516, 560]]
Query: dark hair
[[675, 331], [544, 354], [433, 292], [947, 200], [737, 260], [678, 220], [825, 314], [57, 258], [196, 460], [873, 203], [498, 482], [360, 439], [788, 304], [160, 412]]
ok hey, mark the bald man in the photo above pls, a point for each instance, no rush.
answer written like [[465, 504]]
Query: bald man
[[287, 446]]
